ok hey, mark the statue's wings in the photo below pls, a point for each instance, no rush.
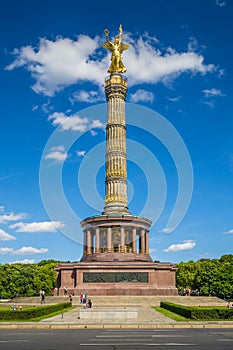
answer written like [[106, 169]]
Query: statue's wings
[[107, 46], [124, 47]]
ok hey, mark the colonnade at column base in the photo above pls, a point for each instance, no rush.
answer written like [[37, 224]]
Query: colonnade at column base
[[116, 237]]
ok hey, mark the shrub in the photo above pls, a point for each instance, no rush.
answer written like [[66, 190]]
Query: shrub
[[31, 312], [177, 309], [199, 313]]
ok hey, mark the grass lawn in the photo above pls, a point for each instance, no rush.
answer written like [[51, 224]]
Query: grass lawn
[[171, 315]]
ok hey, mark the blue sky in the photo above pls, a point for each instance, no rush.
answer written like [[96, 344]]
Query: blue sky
[[53, 114]]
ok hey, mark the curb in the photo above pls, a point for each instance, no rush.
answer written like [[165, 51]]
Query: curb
[[108, 326]]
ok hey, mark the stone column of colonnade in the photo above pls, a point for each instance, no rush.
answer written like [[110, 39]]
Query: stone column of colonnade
[[92, 241], [115, 173]]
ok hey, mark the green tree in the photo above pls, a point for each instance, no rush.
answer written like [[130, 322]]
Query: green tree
[[210, 277], [27, 280], [185, 275]]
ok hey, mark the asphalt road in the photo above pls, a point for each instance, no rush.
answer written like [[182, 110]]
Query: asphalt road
[[117, 339]]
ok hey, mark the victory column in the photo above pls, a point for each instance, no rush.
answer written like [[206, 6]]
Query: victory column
[[116, 258]]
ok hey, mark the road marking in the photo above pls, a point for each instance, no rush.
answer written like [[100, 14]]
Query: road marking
[[15, 340], [122, 336], [136, 344], [228, 339], [141, 330], [169, 336], [114, 339], [175, 344], [143, 336], [26, 333]]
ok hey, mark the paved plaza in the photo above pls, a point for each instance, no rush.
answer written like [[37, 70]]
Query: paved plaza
[[146, 317]]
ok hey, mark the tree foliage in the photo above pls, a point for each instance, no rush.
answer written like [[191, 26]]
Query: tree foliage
[[209, 277], [27, 279]]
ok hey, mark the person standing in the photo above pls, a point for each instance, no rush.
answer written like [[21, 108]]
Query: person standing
[[71, 297], [42, 297], [84, 298]]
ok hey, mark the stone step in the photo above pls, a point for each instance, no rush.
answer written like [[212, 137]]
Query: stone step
[[114, 301], [155, 301], [35, 300]]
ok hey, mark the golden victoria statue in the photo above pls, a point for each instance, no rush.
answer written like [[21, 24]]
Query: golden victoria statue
[[116, 48]]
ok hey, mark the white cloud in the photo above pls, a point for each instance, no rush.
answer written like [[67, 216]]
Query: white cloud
[[212, 92], [152, 250], [2, 208], [142, 95], [74, 122], [4, 236], [22, 251], [81, 153], [209, 103], [220, 3], [12, 217], [173, 99], [6, 177], [147, 64], [57, 64], [57, 153], [24, 261], [60, 63], [93, 132], [5, 250], [96, 124], [45, 226], [193, 44], [29, 250], [186, 245], [87, 96], [230, 232], [166, 230], [47, 107], [35, 108]]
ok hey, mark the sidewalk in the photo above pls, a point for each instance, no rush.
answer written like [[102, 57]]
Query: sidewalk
[[146, 315], [147, 318]]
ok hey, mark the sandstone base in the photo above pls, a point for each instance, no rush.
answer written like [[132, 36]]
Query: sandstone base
[[79, 278]]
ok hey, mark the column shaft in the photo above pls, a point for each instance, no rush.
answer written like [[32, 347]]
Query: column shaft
[[147, 242], [134, 243], [88, 242], [97, 240], [109, 239], [122, 239], [116, 200], [84, 243], [142, 241]]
